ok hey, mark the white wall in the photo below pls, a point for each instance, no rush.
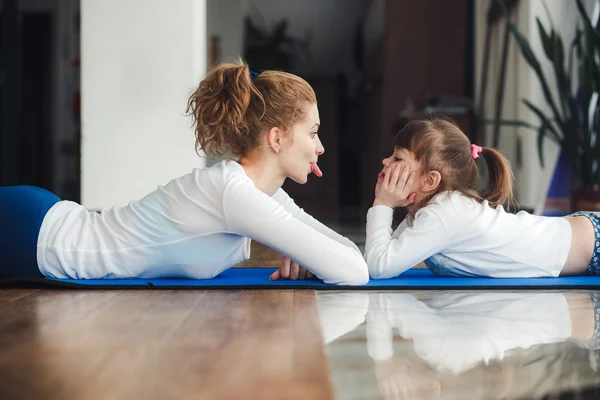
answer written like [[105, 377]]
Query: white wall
[[521, 82], [140, 61], [225, 18]]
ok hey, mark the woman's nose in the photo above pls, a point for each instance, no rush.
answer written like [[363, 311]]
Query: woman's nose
[[320, 149]]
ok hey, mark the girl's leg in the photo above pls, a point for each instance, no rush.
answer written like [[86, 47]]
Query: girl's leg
[[595, 340], [22, 210], [578, 262]]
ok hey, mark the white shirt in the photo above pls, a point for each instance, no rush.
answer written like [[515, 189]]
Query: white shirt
[[196, 226], [454, 332], [458, 236]]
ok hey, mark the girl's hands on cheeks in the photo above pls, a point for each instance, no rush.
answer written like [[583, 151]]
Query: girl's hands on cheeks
[[394, 189]]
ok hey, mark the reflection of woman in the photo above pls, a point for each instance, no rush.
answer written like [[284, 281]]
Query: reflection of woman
[[488, 344], [341, 312]]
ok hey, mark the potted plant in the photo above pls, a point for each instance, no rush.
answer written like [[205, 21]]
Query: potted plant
[[574, 120], [274, 49]]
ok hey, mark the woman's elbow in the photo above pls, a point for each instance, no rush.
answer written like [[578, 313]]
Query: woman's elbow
[[360, 275], [355, 273]]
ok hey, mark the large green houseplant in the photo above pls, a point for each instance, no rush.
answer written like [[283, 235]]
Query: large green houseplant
[[273, 48], [574, 120]]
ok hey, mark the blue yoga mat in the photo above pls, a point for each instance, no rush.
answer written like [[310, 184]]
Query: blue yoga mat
[[258, 278]]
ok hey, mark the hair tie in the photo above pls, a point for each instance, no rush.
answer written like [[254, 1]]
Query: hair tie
[[253, 75], [475, 150]]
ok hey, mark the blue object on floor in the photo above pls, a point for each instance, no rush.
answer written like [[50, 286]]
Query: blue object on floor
[[258, 278]]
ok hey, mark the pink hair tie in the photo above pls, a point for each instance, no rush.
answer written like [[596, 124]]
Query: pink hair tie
[[475, 150]]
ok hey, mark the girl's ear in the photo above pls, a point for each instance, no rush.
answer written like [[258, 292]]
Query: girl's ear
[[431, 181]]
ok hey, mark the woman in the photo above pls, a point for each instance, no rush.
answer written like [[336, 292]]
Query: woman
[[200, 224]]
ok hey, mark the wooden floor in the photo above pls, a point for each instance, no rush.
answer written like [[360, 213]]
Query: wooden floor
[[155, 344], [159, 344], [261, 256]]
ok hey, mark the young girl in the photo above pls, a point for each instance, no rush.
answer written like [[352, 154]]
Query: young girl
[[457, 230], [481, 345], [198, 225]]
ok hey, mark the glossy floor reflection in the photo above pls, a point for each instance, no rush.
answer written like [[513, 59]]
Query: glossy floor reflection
[[462, 345]]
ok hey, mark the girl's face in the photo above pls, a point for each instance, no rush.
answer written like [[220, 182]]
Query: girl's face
[[403, 156], [423, 184]]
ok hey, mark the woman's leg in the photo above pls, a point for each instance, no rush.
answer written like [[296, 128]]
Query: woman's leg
[[22, 210]]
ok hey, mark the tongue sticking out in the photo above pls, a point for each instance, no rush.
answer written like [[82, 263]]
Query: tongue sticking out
[[314, 168]]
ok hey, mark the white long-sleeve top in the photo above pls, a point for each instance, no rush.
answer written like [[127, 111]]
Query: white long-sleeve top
[[457, 236], [195, 226], [462, 330]]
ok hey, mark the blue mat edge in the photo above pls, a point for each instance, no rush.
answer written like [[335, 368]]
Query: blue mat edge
[[258, 278]]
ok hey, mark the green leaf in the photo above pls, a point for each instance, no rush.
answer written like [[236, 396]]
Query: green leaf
[[253, 31], [590, 45], [572, 48], [563, 82], [573, 116], [546, 41], [278, 35], [531, 59], [592, 108], [543, 118], [586, 75], [540, 142], [525, 48], [588, 23]]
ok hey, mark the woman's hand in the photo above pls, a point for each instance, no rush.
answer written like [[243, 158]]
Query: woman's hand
[[394, 190], [291, 270]]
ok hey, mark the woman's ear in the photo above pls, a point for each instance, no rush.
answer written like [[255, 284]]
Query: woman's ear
[[431, 181], [275, 139]]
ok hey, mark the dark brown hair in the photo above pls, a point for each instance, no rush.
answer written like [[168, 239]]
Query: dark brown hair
[[439, 145], [230, 110]]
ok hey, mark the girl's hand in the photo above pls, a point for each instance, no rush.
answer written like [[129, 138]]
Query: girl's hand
[[291, 270], [394, 189]]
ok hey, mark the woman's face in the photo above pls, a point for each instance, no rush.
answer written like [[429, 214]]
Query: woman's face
[[299, 158]]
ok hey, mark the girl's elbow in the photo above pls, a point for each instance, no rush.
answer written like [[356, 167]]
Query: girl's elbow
[[379, 270], [377, 273], [373, 265]]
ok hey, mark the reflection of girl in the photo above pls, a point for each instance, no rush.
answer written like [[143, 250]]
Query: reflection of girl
[[454, 332], [532, 373], [460, 340]]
